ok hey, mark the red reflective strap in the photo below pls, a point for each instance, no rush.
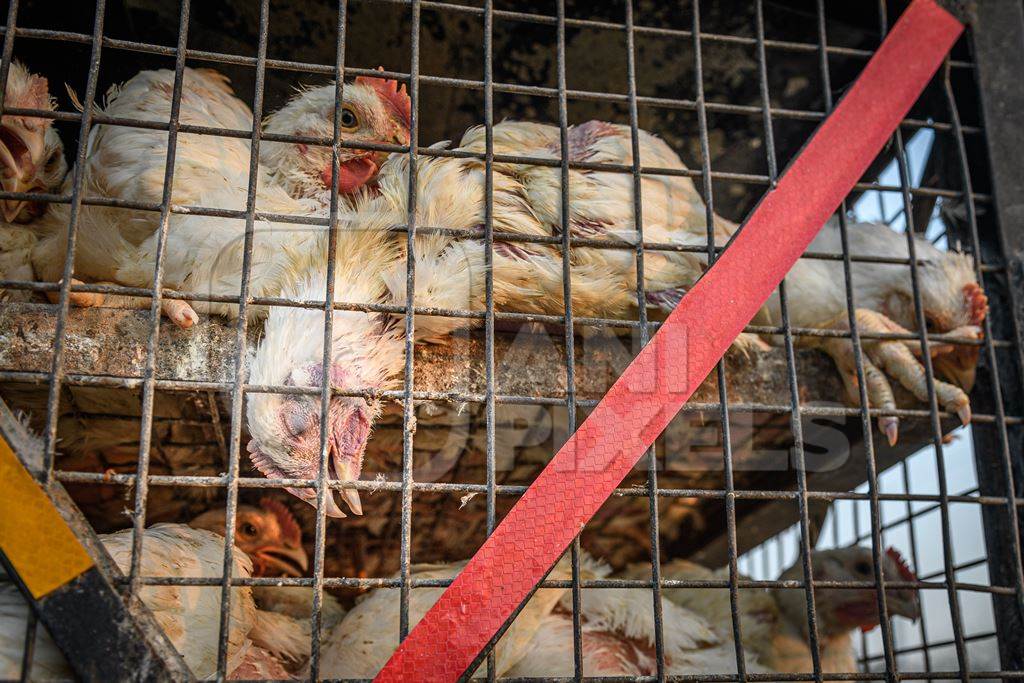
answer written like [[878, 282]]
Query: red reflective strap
[[663, 376]]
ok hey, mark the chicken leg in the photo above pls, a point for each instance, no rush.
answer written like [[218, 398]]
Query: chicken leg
[[895, 358], [179, 312], [79, 299]]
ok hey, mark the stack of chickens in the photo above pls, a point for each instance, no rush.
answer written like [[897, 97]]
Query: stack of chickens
[[203, 255]]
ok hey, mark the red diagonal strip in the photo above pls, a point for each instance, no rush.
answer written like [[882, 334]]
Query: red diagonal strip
[[661, 378]]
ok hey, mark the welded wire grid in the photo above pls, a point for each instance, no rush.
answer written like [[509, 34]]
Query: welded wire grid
[[863, 516]]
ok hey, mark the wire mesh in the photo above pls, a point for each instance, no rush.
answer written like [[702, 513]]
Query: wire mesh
[[729, 503]]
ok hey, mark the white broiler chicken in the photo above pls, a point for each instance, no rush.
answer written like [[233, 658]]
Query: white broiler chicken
[[951, 298], [261, 644], [617, 637], [204, 254], [361, 644], [32, 161], [773, 622], [271, 537]]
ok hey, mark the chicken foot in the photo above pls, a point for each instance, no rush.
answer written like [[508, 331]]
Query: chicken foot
[[892, 358], [178, 312], [78, 299]]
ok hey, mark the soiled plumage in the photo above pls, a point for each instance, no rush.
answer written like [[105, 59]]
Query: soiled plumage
[[618, 637], [189, 615], [527, 202], [774, 621], [203, 254], [296, 602], [951, 298]]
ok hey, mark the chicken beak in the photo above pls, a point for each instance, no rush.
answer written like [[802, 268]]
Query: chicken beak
[[904, 603], [21, 150], [309, 495], [958, 365], [347, 471], [350, 429], [280, 561]]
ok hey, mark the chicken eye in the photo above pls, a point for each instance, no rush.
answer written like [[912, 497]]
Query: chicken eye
[[348, 119], [247, 529], [862, 567]]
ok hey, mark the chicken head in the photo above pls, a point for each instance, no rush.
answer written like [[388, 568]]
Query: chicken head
[[286, 431], [953, 303], [375, 110], [286, 427], [31, 153], [841, 610], [268, 534]]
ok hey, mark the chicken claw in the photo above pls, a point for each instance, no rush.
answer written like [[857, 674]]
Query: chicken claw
[[179, 312], [78, 299], [892, 358]]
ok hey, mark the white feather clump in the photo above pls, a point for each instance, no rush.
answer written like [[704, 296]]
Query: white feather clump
[[618, 637], [630, 612]]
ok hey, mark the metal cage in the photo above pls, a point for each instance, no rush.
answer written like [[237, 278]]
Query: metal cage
[[949, 172]]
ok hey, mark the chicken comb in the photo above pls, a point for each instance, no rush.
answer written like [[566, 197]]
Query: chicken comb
[[977, 302], [37, 96], [392, 93], [27, 90], [906, 573], [290, 531]]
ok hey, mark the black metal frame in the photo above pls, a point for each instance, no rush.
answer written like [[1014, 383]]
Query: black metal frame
[[998, 36]]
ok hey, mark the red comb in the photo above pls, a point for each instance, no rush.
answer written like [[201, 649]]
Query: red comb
[[977, 302], [392, 93], [905, 572], [290, 530]]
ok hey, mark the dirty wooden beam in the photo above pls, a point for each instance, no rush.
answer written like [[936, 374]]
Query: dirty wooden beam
[[529, 365]]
